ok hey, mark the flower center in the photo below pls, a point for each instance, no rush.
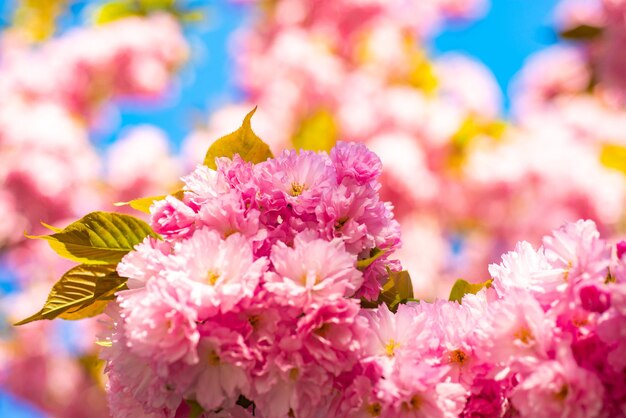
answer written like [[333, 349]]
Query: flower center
[[213, 358], [562, 393], [374, 409], [413, 404], [297, 189], [458, 356], [323, 330], [390, 348], [524, 335], [341, 222], [212, 277]]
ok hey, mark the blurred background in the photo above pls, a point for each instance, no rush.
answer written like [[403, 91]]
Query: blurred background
[[496, 122]]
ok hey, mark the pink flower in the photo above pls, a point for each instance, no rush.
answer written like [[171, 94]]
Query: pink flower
[[160, 322], [357, 216], [147, 261], [134, 384], [295, 180], [355, 162], [221, 272], [203, 183], [220, 376], [332, 335], [171, 217], [418, 390], [313, 271], [595, 299], [529, 270], [558, 388], [516, 332], [227, 214], [488, 399], [578, 249], [295, 386], [390, 335]]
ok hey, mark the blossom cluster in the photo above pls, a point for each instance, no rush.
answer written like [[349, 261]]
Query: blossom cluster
[[255, 289], [543, 340], [253, 305]]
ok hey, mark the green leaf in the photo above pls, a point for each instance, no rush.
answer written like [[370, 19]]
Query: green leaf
[[243, 142], [195, 410], [99, 238], [397, 290], [375, 253], [462, 288], [582, 33], [50, 227], [318, 132], [83, 291], [114, 10], [143, 203]]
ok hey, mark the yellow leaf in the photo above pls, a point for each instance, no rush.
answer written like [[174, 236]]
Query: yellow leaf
[[614, 156], [83, 291], [318, 132], [143, 203], [462, 288], [375, 253], [50, 227], [114, 10], [37, 18], [397, 290], [99, 238], [243, 142]]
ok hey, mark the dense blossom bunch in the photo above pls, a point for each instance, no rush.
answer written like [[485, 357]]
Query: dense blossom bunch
[[254, 289], [249, 306], [543, 340]]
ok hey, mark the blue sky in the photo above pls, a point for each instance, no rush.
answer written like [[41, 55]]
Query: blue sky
[[511, 31]]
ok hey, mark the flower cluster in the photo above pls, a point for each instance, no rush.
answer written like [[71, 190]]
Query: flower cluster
[[254, 291], [249, 306], [542, 340]]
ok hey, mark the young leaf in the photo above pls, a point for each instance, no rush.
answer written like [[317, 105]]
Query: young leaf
[[614, 156], [243, 142], [582, 33], [50, 227], [397, 290], [99, 238], [143, 203], [83, 291], [195, 410], [318, 132], [375, 253], [462, 288]]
